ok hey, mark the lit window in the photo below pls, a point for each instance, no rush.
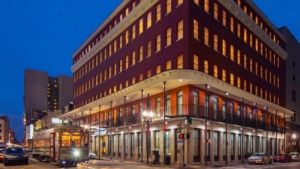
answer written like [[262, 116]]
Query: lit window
[[121, 42], [278, 82], [224, 47], [251, 65], [206, 36], [245, 85], [239, 57], [133, 58], [126, 62], [270, 77], [115, 69], [231, 78], [238, 82], [141, 26], [231, 24], [239, 30], [158, 42], [245, 61], [149, 19], [232, 52], [141, 53], [216, 42], [157, 69], [206, 66], [215, 71], [168, 37], [126, 83], [256, 44], [126, 36], [196, 62], [149, 48], [261, 71], [245, 35], [168, 65], [149, 73], [133, 80], [140, 77], [133, 32], [256, 90], [224, 75], [120, 86], [158, 12], [180, 30], [224, 18], [196, 29], [251, 40], [250, 86], [179, 2], [256, 68], [266, 74], [197, 2], [168, 6], [180, 62], [115, 49], [239, 3], [216, 11], [206, 6]]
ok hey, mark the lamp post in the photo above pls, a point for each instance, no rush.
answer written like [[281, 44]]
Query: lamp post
[[8, 137], [226, 162], [147, 116]]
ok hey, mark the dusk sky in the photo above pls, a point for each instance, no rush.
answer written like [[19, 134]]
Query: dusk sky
[[43, 35]]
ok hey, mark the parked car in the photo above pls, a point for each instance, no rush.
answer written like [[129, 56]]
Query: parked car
[[91, 154], [15, 155], [282, 158], [295, 156], [260, 158]]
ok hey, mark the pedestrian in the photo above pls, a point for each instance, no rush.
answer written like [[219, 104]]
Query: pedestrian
[[153, 159]]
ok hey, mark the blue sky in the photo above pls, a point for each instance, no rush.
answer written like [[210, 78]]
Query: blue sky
[[43, 35]]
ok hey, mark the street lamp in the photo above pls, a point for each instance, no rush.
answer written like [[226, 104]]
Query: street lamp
[[147, 116]]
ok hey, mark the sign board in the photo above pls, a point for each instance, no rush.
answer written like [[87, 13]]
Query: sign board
[[179, 141], [56, 121]]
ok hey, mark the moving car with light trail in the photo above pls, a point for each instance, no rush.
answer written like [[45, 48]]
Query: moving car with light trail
[[65, 145]]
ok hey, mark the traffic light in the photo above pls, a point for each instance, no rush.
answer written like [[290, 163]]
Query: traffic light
[[180, 136]]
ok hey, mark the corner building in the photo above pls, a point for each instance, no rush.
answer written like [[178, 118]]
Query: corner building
[[221, 63]]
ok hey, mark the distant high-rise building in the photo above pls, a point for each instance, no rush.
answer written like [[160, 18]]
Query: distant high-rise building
[[4, 129], [42, 94]]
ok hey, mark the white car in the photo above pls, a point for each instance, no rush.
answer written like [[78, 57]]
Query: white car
[[260, 158], [91, 154]]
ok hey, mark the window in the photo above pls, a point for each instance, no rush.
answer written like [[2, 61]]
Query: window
[[196, 62], [239, 30], [157, 69], [115, 47], [238, 82], [231, 78], [157, 140], [197, 2], [250, 85], [133, 58], [168, 65], [206, 36], [126, 62], [179, 2], [261, 71], [232, 24], [141, 53], [224, 75], [140, 77], [158, 12], [115, 69], [239, 57], [251, 40], [180, 62], [245, 61], [232, 52], [232, 141], [245, 85], [120, 66], [256, 44], [206, 66], [168, 6], [180, 30], [149, 73], [224, 18], [245, 35], [149, 19], [141, 26], [168, 37], [216, 42], [133, 80], [216, 144], [133, 33], [206, 6], [149, 48], [158, 43], [215, 71], [120, 46], [216, 11], [196, 29], [179, 102], [126, 36], [223, 47]]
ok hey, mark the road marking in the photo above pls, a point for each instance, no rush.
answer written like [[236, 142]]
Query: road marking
[[27, 166]]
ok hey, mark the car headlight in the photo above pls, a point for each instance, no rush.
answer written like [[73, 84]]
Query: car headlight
[[76, 153]]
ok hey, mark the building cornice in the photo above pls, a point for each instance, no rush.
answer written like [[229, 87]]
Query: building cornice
[[192, 77], [138, 11], [235, 10]]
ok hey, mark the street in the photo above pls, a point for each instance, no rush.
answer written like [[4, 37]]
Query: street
[[116, 164]]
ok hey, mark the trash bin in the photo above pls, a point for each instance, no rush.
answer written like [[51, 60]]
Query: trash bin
[[155, 152], [168, 159]]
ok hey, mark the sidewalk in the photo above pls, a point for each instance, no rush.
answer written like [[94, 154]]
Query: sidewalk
[[189, 166]]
